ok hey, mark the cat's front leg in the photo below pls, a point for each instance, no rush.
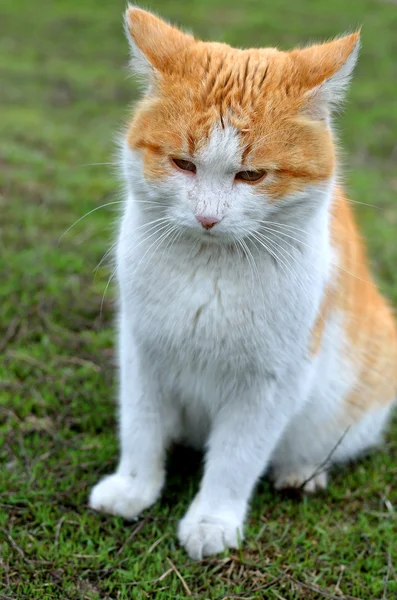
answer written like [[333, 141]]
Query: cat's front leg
[[140, 475], [244, 435]]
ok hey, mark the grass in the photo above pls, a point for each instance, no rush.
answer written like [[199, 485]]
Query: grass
[[64, 93]]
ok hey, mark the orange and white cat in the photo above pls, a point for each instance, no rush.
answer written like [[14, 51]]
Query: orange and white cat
[[249, 324]]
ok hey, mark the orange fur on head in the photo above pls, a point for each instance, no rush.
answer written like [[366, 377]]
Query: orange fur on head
[[263, 93]]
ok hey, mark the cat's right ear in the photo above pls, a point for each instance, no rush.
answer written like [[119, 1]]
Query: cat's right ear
[[155, 45], [325, 71]]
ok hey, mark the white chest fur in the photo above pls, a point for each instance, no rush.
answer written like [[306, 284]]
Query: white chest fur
[[209, 308]]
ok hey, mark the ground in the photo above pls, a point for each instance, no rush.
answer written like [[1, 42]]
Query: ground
[[64, 93]]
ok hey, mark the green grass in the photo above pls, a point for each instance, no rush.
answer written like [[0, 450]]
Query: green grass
[[64, 93]]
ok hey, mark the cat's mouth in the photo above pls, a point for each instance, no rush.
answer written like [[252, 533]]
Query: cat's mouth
[[213, 236]]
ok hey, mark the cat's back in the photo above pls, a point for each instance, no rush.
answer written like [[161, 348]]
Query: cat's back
[[367, 333]]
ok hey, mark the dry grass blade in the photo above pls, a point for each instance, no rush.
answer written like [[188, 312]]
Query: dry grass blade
[[317, 590], [132, 535], [393, 571], [58, 531], [325, 462], [11, 332], [389, 569], [177, 573], [16, 547], [275, 593], [165, 574], [157, 542], [260, 588], [337, 586]]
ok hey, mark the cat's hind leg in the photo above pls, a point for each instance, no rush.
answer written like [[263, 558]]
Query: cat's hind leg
[[315, 441], [307, 478]]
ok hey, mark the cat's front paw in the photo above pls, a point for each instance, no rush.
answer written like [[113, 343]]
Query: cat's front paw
[[203, 535], [124, 496]]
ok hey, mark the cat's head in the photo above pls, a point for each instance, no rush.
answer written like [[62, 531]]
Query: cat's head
[[224, 137]]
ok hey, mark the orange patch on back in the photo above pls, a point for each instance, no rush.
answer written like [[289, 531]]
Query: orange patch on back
[[368, 321], [317, 332]]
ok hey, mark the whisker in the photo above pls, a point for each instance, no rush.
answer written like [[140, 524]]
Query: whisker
[[350, 200], [160, 227], [245, 251], [150, 224], [283, 225], [196, 244], [113, 273], [90, 213], [177, 235], [336, 199], [251, 257], [271, 230], [115, 269], [105, 256], [271, 252], [146, 202], [114, 164], [237, 247], [288, 265], [277, 233], [169, 229], [291, 256]]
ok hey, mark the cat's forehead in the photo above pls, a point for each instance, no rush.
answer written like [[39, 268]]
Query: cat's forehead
[[221, 104], [217, 74], [217, 92], [216, 59]]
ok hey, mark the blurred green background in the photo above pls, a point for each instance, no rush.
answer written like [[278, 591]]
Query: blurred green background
[[65, 92]]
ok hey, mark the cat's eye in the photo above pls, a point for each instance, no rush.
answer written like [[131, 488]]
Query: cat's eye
[[251, 176], [184, 165]]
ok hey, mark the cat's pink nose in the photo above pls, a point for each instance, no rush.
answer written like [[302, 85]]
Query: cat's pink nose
[[207, 222]]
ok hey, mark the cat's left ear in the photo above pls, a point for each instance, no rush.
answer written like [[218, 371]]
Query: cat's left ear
[[325, 71]]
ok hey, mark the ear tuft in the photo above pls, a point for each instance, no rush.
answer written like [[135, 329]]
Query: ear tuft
[[155, 45], [139, 63]]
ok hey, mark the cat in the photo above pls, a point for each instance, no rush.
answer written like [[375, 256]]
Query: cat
[[249, 323]]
